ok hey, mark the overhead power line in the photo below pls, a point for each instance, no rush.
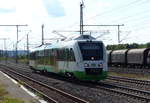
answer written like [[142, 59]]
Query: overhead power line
[[131, 17], [130, 4], [111, 25], [120, 7]]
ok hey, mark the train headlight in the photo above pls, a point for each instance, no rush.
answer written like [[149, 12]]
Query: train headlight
[[100, 65], [86, 65]]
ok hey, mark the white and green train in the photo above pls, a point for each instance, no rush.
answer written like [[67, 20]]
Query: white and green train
[[83, 58]]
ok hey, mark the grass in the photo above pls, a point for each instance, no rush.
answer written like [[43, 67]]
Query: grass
[[10, 100], [136, 76], [39, 95], [20, 83], [2, 91], [4, 98], [23, 60]]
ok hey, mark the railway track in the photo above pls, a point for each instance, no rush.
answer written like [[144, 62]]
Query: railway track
[[125, 91], [130, 80], [116, 89], [115, 78], [49, 93], [119, 90]]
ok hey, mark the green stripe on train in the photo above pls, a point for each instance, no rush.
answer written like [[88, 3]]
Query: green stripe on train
[[83, 76], [78, 74], [44, 67]]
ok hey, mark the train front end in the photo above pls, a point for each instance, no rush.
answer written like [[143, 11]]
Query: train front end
[[91, 61]]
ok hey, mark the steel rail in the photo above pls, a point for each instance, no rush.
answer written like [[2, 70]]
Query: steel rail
[[131, 80], [114, 87]]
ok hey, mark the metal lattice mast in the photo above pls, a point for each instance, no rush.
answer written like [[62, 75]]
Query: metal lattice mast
[[81, 18]]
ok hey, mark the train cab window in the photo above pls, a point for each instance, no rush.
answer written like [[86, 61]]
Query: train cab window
[[91, 50]]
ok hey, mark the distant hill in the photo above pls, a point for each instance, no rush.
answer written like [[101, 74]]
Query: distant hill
[[13, 53]]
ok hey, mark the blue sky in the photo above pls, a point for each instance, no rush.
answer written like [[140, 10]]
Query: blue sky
[[54, 8], [64, 15], [3, 10]]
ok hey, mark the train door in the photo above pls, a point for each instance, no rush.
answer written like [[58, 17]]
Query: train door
[[54, 60], [32, 60], [71, 59]]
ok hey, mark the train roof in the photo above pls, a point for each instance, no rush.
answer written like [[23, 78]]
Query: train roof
[[65, 43], [85, 37], [139, 50], [108, 51], [119, 51]]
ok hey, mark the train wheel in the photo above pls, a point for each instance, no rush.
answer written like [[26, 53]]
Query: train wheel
[[43, 71], [33, 70], [96, 81], [69, 75]]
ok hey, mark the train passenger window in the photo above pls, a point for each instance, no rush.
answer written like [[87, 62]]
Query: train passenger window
[[65, 55], [36, 54], [45, 52], [60, 55], [41, 53], [32, 55]]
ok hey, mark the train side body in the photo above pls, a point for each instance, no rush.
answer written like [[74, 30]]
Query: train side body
[[137, 56], [84, 59], [131, 57], [118, 57]]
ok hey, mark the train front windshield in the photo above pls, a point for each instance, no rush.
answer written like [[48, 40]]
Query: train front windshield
[[91, 50]]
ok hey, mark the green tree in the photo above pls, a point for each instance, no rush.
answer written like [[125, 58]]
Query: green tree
[[148, 45]]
